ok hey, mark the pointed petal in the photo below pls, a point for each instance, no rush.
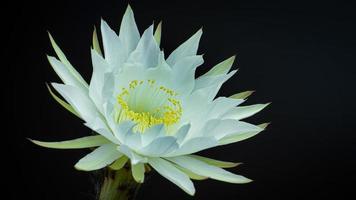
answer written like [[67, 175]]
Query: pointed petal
[[129, 34], [152, 133], [191, 175], [134, 157], [158, 33], [216, 163], [167, 170], [138, 172], [188, 48], [221, 68], [100, 67], [203, 169], [242, 95], [99, 158], [249, 131], [99, 126], [67, 64], [194, 145], [114, 52], [160, 146], [96, 45], [79, 143], [79, 100], [64, 74], [147, 52], [61, 102], [243, 112]]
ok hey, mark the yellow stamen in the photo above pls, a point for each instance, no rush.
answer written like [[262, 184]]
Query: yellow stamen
[[167, 114]]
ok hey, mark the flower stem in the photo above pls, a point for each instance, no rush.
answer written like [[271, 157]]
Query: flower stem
[[118, 185]]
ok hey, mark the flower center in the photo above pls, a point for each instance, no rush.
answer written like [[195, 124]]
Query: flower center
[[148, 104]]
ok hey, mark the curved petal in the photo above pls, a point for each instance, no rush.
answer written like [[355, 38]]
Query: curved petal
[[64, 74], [129, 34], [188, 48], [114, 53], [160, 147], [203, 169], [138, 172], [99, 126], [194, 145], [79, 143], [66, 63], [147, 51], [167, 170], [134, 157], [99, 158], [243, 112], [79, 100], [221, 68], [216, 163]]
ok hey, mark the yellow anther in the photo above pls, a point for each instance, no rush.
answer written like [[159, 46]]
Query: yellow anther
[[167, 114]]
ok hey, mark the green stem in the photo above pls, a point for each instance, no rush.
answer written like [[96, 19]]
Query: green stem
[[119, 185]]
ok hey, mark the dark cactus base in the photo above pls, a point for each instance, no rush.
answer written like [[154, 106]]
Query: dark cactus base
[[118, 185]]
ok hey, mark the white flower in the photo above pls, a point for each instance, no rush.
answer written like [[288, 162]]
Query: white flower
[[152, 110]]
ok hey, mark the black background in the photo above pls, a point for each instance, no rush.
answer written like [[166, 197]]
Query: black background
[[299, 55]]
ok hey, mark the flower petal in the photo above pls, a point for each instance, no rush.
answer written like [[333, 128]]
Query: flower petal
[[119, 163], [158, 33], [79, 100], [194, 145], [64, 74], [129, 34], [243, 112], [160, 146], [99, 126], [203, 169], [188, 48], [242, 95], [216, 163], [95, 44], [62, 102], [134, 157], [221, 68], [79, 143], [138, 172], [67, 64], [99, 158], [147, 51], [167, 170], [113, 51]]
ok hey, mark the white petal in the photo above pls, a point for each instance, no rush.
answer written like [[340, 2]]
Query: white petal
[[147, 51], [221, 105], [152, 133], [203, 169], [99, 126], [188, 48], [79, 100], [239, 136], [194, 145], [181, 133], [99, 158], [67, 64], [134, 157], [100, 67], [210, 85], [167, 170], [185, 73], [129, 35], [115, 55], [160, 146], [64, 74], [243, 112], [122, 129]]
